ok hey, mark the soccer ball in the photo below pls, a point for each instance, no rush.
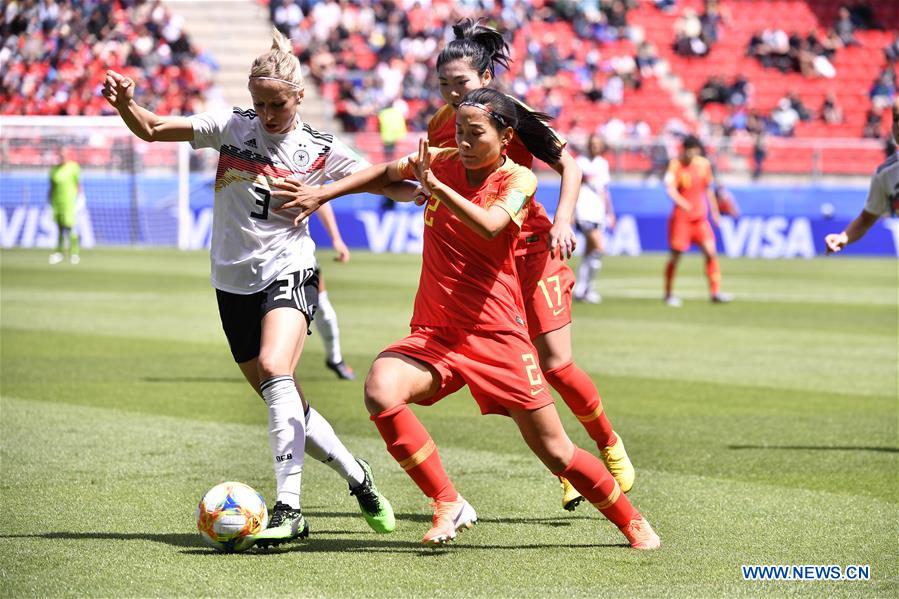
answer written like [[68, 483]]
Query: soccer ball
[[228, 514]]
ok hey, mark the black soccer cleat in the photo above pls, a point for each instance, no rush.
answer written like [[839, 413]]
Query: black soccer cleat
[[341, 369], [285, 524]]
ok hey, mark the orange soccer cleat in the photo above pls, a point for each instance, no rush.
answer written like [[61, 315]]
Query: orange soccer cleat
[[640, 534], [449, 516]]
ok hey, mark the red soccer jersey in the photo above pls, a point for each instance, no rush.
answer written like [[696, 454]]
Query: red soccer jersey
[[692, 182], [467, 281], [535, 230]]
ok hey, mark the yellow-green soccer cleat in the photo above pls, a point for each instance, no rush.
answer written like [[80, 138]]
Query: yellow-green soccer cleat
[[377, 510], [571, 497], [285, 524], [619, 464]]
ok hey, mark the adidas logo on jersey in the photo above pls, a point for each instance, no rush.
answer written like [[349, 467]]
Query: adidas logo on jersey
[[250, 143]]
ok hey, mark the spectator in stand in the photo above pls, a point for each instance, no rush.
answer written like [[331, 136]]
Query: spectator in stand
[[800, 108], [688, 39], [831, 112], [830, 44], [286, 16], [873, 124], [845, 28], [784, 118], [713, 18], [647, 59], [891, 52], [739, 91], [714, 91]]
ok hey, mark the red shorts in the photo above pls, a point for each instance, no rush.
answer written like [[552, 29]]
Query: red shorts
[[500, 368], [546, 284], [682, 233]]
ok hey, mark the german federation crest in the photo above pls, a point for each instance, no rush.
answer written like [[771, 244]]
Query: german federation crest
[[301, 158]]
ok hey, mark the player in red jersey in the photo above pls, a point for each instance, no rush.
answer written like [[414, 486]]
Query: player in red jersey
[[467, 325], [688, 181], [468, 62]]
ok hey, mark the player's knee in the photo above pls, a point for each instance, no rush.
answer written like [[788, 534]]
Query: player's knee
[[552, 361], [270, 365], [556, 453], [380, 390]]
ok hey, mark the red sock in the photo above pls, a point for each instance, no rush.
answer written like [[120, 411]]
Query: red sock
[[713, 272], [588, 475], [669, 277], [583, 400], [410, 444]]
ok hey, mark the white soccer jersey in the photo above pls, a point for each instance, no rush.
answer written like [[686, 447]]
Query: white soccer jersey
[[591, 201], [251, 243], [883, 196]]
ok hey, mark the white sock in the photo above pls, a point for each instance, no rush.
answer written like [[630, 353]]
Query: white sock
[[286, 435], [323, 445], [593, 262], [326, 324]]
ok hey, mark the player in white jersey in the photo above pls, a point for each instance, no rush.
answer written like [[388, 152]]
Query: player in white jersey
[[593, 214], [326, 316], [883, 197], [263, 264]]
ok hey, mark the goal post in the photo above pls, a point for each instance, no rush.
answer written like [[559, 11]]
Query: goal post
[[135, 193]]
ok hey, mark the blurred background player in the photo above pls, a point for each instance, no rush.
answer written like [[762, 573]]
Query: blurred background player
[[325, 316], [689, 181], [65, 191], [469, 62], [263, 265], [593, 214], [883, 197]]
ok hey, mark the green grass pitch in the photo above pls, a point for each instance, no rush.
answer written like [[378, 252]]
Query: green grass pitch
[[763, 432]]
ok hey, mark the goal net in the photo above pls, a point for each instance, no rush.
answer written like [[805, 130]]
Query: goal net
[[135, 193]]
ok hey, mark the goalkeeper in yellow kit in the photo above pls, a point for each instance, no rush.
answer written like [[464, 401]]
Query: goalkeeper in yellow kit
[[65, 187]]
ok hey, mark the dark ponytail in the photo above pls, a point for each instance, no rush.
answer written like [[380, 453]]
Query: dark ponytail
[[482, 46], [529, 125]]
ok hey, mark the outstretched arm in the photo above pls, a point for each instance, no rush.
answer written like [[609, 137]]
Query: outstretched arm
[[561, 235], [308, 198], [855, 231], [119, 92]]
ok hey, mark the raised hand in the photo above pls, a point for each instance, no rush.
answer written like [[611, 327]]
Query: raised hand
[[423, 167], [118, 89]]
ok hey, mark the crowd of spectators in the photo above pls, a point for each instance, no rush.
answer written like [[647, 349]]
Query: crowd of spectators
[[808, 54], [54, 54], [369, 56]]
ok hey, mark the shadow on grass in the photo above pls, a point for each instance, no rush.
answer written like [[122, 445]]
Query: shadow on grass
[[176, 539], [193, 544], [317, 544], [562, 520], [192, 379], [818, 448]]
